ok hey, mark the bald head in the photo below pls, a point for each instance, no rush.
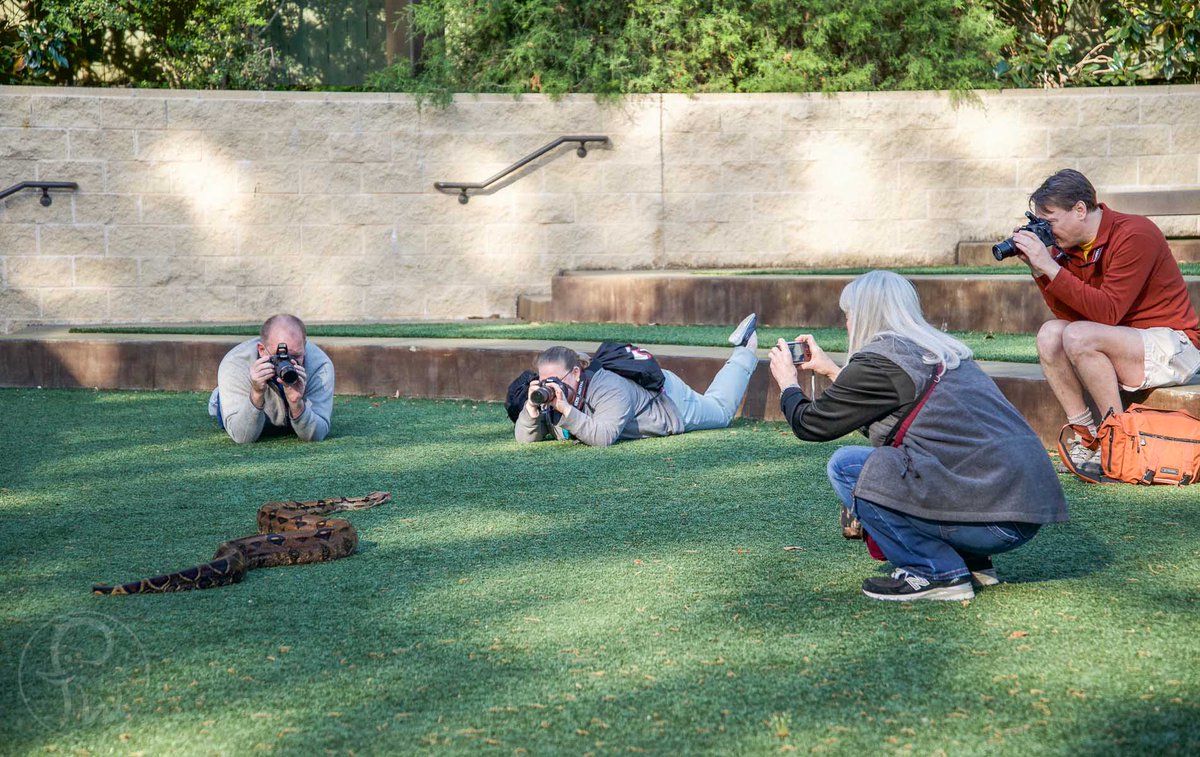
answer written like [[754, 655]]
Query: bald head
[[283, 328]]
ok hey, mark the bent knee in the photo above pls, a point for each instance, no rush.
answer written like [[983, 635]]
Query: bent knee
[[1078, 338], [1050, 338]]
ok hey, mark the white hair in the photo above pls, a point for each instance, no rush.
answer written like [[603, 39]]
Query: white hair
[[882, 302]]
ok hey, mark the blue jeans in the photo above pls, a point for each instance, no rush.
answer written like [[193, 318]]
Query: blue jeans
[[717, 406], [936, 550]]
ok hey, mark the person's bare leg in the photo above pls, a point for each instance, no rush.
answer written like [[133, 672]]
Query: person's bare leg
[[1104, 358], [1059, 372]]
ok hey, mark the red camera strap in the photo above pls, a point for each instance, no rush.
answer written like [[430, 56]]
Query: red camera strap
[[912, 415]]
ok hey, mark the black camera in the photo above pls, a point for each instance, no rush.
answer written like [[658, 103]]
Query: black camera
[[543, 395], [1040, 228], [285, 370]]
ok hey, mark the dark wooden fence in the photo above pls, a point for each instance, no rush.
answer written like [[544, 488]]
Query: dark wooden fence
[[340, 42]]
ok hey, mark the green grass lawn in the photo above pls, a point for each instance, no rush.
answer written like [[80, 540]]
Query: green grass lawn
[[553, 599], [1016, 348]]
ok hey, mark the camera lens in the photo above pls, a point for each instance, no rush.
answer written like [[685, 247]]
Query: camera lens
[[541, 395], [287, 373], [1005, 249]]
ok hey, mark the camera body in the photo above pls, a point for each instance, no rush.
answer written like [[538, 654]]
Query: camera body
[[1040, 228], [285, 370], [800, 353], [543, 395]]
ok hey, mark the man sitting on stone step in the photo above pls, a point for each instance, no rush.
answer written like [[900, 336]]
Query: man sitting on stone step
[[600, 408], [278, 381], [1123, 318]]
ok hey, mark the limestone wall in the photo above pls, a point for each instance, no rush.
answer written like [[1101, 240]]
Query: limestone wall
[[227, 206]]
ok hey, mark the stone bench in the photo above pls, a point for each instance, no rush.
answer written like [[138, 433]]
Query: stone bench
[[1000, 303]]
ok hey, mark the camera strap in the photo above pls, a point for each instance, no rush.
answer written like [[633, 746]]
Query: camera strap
[[581, 391], [902, 429]]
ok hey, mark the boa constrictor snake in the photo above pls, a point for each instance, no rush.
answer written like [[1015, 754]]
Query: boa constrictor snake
[[289, 533]]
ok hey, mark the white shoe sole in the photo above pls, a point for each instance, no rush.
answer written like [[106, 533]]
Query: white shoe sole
[[984, 577], [742, 331], [942, 593]]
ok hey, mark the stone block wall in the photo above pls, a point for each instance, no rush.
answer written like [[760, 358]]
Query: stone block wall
[[228, 206]]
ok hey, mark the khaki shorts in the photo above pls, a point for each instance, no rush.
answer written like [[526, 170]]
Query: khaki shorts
[[1171, 358]]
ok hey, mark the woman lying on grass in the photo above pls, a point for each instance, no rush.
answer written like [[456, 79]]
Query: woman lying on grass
[[953, 475], [601, 408]]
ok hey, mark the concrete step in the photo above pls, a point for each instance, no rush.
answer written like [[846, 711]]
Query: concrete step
[[980, 254], [437, 369], [1001, 303], [533, 307]]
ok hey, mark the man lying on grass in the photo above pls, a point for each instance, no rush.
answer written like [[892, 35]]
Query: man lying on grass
[[600, 408], [279, 381], [953, 475]]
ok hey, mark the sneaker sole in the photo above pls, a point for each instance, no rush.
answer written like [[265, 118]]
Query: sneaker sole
[[980, 578], [742, 332], [942, 593]]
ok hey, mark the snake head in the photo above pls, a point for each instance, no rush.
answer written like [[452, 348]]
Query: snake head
[[375, 499]]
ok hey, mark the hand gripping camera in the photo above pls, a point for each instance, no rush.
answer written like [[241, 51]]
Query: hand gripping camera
[[285, 370], [543, 395], [1039, 226]]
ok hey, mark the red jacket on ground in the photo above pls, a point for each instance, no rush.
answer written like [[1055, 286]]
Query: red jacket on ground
[[1129, 278]]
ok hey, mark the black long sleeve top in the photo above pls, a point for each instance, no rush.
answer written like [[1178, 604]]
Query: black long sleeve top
[[869, 388]]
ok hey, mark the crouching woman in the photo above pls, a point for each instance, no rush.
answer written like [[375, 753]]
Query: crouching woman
[[953, 475]]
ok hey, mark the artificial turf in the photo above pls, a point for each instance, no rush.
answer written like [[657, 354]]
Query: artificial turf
[[1014, 348], [553, 599]]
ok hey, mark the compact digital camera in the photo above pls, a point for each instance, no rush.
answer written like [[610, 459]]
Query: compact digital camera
[[800, 353]]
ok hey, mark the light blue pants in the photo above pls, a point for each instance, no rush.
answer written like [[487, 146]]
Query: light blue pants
[[717, 406]]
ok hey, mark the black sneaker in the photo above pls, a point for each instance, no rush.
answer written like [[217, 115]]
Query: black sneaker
[[903, 586]]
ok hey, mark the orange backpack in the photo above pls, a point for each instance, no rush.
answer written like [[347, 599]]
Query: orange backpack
[[1144, 445]]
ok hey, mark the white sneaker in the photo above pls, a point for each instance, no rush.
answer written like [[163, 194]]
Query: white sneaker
[[746, 334], [1083, 459]]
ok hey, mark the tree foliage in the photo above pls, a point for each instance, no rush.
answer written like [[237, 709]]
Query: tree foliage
[[559, 46], [611, 48], [1060, 43], [172, 43]]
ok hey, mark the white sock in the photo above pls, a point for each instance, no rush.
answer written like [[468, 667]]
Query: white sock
[[1084, 419]]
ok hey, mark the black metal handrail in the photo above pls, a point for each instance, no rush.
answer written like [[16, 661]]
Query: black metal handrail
[[461, 187], [45, 186]]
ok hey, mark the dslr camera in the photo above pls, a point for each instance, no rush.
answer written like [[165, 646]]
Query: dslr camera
[[543, 395], [1040, 228], [285, 369]]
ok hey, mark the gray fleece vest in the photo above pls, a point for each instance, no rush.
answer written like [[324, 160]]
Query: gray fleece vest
[[968, 455]]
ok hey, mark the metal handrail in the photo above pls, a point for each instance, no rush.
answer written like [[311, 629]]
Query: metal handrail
[[461, 187], [45, 186]]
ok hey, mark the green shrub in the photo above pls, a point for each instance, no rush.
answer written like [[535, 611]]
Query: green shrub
[[699, 46], [1060, 43], [172, 43]]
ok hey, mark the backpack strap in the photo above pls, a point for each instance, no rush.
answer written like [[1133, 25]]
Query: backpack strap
[[902, 429]]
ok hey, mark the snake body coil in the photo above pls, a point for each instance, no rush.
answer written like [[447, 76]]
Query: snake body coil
[[290, 533]]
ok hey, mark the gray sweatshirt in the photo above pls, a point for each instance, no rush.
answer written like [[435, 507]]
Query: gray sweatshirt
[[614, 409], [244, 422]]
